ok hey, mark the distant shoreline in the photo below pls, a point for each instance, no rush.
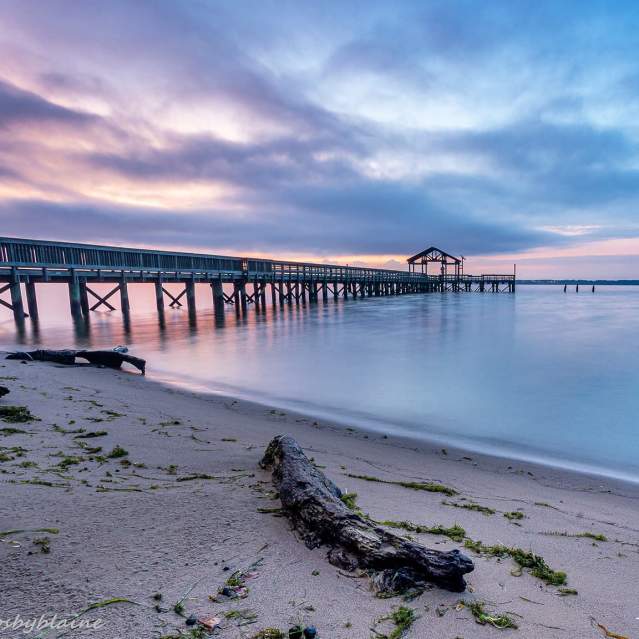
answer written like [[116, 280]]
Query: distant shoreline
[[581, 281]]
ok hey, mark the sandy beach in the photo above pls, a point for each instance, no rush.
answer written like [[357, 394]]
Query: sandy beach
[[153, 495]]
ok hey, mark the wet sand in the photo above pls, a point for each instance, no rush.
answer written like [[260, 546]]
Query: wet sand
[[149, 525]]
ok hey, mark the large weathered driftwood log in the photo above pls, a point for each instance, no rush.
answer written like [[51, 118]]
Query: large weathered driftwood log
[[110, 359], [313, 504]]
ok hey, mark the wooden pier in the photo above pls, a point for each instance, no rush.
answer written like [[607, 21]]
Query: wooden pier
[[25, 263]]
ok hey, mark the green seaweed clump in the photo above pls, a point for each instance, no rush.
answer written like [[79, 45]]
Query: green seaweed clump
[[536, 563], [117, 452], [502, 621], [403, 618], [269, 633], [428, 486], [350, 499], [44, 544], [513, 515], [16, 414], [471, 505], [456, 532]]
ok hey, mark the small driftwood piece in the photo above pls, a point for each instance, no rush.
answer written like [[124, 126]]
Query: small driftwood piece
[[314, 506], [3, 391], [110, 359]]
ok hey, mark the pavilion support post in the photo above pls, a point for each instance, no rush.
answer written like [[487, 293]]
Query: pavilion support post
[[32, 301], [159, 295], [124, 297]]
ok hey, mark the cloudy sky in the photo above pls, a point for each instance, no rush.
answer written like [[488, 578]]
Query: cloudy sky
[[342, 131]]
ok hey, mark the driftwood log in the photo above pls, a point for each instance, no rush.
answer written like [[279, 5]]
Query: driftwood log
[[110, 359], [314, 506]]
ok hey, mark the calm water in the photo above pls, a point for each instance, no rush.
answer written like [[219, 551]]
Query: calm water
[[539, 374]]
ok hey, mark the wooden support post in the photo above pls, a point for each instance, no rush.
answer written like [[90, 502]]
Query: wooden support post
[[335, 291], [16, 298], [256, 295], [84, 298], [243, 299], [324, 290], [218, 297], [273, 294], [289, 288], [159, 295], [124, 297], [74, 297], [32, 301], [236, 296], [345, 290], [303, 291], [190, 298], [280, 293]]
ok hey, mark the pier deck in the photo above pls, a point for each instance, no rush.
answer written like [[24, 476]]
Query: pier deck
[[26, 262]]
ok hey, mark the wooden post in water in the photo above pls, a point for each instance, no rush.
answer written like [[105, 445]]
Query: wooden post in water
[[84, 297], [74, 296], [32, 302], [159, 295], [124, 297], [16, 296], [190, 298], [218, 297]]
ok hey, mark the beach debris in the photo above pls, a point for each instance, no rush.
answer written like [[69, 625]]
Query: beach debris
[[296, 632], [191, 620], [210, 623], [605, 631], [235, 586], [108, 359], [314, 506], [478, 610], [310, 632], [4, 391], [563, 592]]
